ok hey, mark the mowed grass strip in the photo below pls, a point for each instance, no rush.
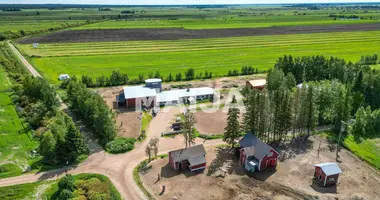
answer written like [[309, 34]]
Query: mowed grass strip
[[216, 55], [195, 45]]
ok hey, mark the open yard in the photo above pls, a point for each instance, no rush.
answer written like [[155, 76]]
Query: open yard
[[291, 180], [175, 56]]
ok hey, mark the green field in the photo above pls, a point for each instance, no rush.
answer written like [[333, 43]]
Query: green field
[[215, 23], [33, 25], [368, 150], [15, 143], [217, 55]]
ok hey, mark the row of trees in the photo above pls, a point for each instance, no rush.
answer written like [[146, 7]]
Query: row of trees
[[60, 140], [273, 115], [21, 33], [365, 81], [91, 107], [369, 59], [367, 123], [118, 78], [245, 70], [317, 68]]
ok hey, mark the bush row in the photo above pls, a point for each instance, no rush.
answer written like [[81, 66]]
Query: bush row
[[21, 33]]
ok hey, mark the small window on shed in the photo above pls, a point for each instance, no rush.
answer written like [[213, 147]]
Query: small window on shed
[[270, 154], [320, 177]]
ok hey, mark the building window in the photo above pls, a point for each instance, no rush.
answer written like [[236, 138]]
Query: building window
[[320, 177], [270, 154]]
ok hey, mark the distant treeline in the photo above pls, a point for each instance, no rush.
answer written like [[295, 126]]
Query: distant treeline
[[104, 9], [21, 33], [11, 9], [344, 16]]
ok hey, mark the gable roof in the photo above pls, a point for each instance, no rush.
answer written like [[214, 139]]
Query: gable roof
[[187, 153], [253, 146], [138, 92], [329, 168], [258, 82]]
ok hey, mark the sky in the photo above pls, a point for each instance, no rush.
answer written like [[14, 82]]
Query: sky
[[173, 2]]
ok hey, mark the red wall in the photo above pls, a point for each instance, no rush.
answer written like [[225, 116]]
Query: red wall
[[198, 166], [269, 161], [242, 156], [318, 172], [171, 161], [131, 103]]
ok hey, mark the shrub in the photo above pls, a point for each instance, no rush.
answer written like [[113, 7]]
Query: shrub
[[121, 145], [8, 170]]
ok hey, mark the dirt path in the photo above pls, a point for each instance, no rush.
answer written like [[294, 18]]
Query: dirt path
[[119, 168], [32, 70]]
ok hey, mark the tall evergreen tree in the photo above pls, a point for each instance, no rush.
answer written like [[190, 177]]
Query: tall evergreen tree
[[232, 130]]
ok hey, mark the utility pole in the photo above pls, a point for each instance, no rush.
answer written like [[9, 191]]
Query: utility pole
[[344, 124]]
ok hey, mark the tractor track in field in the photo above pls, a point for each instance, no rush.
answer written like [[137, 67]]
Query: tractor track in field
[[141, 34]]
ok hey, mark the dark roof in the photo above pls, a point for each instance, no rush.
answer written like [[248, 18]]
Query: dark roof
[[255, 147], [186, 153]]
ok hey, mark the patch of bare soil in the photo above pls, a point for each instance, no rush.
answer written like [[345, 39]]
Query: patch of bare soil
[[211, 123], [293, 178], [212, 184], [108, 35]]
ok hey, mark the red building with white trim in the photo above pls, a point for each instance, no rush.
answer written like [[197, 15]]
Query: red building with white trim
[[256, 155], [327, 173], [193, 158]]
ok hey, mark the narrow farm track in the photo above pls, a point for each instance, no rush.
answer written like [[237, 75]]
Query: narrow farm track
[[32, 70]]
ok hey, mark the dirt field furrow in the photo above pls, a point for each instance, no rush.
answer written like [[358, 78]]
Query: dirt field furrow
[[109, 35]]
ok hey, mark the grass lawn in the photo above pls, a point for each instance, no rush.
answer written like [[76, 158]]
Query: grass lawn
[[217, 54], [368, 150], [15, 143], [24, 191]]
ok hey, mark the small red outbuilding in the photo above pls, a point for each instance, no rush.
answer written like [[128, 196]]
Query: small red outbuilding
[[256, 155], [193, 158], [327, 173]]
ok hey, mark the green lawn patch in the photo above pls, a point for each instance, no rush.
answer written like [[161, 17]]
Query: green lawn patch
[[9, 170], [16, 143], [18, 191], [368, 149]]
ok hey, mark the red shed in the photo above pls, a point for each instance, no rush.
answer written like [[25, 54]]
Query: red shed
[[192, 157], [327, 173], [255, 154]]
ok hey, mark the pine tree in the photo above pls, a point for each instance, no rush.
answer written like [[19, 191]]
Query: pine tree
[[188, 128], [232, 130]]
